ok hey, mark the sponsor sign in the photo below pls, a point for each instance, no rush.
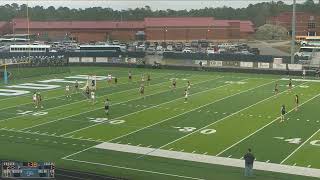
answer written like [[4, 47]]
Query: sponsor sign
[[216, 63], [246, 64], [262, 65]]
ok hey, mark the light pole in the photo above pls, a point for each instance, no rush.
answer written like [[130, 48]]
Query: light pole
[[165, 34], [293, 34]]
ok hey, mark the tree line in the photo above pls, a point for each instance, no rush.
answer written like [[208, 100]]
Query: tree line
[[257, 13]]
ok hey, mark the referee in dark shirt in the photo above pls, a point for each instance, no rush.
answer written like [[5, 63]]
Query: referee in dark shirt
[[249, 159]]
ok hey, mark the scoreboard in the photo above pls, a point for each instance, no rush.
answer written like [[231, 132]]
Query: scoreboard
[[13, 169]]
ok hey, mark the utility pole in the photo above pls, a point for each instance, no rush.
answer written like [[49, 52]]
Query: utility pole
[[293, 34]]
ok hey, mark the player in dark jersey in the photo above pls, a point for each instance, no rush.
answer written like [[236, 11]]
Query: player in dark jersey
[[296, 102], [174, 84], [276, 90], [148, 79], [106, 106], [87, 92], [115, 80], [290, 84], [283, 112]]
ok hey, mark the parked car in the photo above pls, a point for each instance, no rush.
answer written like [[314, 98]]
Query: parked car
[[187, 50], [115, 42]]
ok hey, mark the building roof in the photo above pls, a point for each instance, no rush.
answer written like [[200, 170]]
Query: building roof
[[245, 26], [179, 22], [79, 24]]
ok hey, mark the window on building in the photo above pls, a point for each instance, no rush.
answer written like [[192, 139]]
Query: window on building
[[311, 25]]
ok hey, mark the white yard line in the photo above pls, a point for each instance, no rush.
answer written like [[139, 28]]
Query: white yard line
[[151, 107], [300, 146], [263, 127], [218, 100], [134, 169]]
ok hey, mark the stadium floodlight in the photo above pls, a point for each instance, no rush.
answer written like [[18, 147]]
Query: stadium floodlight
[[293, 31]]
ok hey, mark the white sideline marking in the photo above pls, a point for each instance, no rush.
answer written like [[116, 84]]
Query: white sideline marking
[[295, 170], [151, 107], [301, 80], [133, 169], [111, 105], [300, 146], [264, 127]]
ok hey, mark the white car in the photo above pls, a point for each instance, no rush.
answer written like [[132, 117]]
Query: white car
[[210, 51], [187, 50], [115, 42], [169, 48]]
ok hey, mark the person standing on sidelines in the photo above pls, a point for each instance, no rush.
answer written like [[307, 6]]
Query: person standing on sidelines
[[283, 112], [106, 106], [249, 159], [296, 99], [304, 74], [290, 84], [276, 89]]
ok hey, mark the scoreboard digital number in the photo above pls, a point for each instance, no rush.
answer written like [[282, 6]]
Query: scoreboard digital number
[[14, 169]]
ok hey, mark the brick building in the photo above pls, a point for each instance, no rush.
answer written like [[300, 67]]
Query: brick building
[[307, 24], [157, 29]]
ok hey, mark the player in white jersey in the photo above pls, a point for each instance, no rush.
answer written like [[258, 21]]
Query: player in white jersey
[[93, 97], [188, 86], [186, 93], [109, 78], [68, 95], [34, 99]]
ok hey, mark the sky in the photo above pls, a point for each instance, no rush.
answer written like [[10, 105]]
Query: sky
[[154, 4]]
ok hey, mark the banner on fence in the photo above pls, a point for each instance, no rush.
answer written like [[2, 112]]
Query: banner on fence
[[87, 59], [262, 65], [216, 63], [73, 59], [295, 66], [101, 59], [279, 66], [246, 64]]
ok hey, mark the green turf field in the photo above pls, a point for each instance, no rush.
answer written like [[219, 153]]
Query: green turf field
[[225, 114]]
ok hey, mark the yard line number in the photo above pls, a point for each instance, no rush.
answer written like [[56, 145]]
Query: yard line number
[[191, 129], [299, 140], [101, 120], [40, 113]]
